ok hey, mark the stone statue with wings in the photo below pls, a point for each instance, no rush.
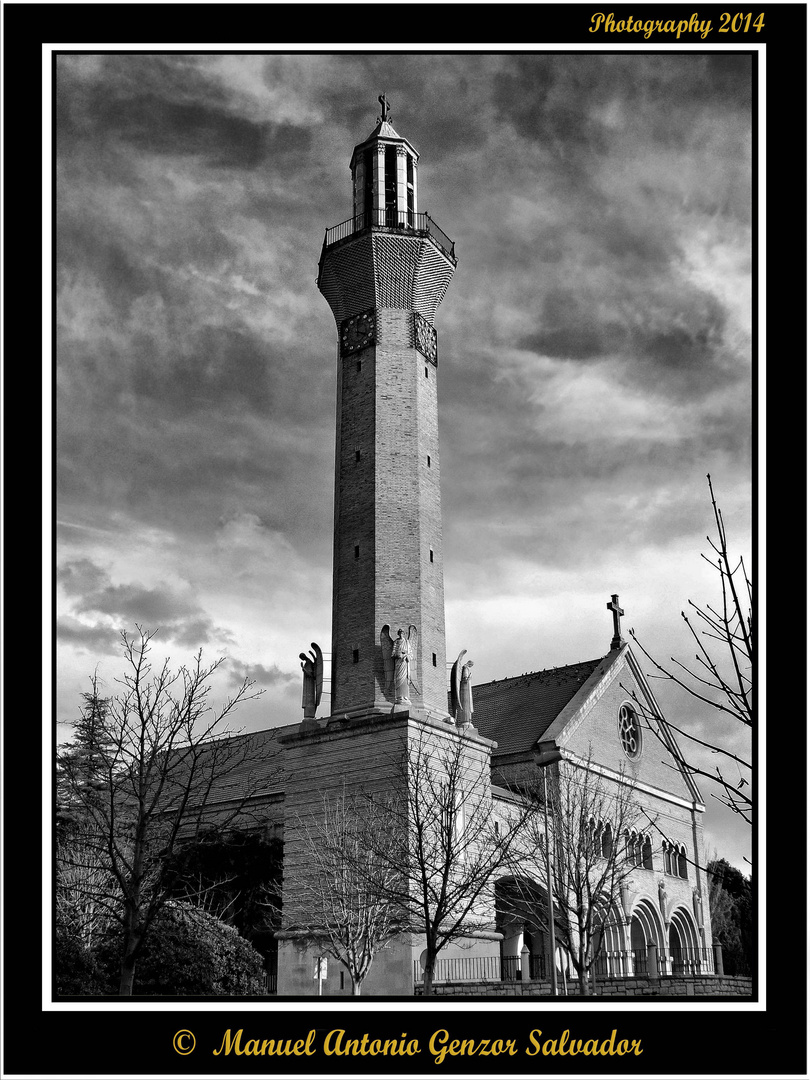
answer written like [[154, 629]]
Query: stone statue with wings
[[397, 656], [461, 703], [312, 667]]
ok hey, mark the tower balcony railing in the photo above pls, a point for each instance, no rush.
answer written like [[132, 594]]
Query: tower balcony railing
[[398, 221]]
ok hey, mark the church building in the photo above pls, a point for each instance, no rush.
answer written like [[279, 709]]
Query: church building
[[384, 272]]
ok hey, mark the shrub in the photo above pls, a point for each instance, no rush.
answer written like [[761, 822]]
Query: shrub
[[187, 952]]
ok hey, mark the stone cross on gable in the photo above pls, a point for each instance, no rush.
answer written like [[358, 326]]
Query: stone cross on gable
[[613, 606]]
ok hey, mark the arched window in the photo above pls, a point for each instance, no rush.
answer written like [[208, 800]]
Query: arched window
[[607, 842], [667, 858], [592, 838], [682, 872], [646, 854]]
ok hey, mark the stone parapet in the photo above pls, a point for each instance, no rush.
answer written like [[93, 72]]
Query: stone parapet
[[706, 986]]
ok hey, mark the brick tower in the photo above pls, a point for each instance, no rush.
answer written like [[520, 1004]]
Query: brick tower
[[384, 273]]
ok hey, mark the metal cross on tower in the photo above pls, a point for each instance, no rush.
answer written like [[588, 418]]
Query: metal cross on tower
[[613, 606]]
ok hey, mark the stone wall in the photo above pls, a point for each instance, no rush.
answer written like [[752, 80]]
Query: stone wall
[[721, 986]]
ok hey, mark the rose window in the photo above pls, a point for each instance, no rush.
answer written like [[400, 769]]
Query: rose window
[[629, 732]]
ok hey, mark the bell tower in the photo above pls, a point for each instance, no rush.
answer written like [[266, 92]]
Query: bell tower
[[384, 271]]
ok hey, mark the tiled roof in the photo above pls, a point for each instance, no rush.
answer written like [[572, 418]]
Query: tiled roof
[[258, 773], [515, 712]]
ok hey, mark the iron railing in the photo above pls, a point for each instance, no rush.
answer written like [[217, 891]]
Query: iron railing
[[462, 969], [397, 220], [611, 964], [621, 964], [482, 969], [270, 983], [686, 961]]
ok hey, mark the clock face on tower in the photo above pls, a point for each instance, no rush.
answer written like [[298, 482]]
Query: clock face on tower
[[357, 332], [425, 336]]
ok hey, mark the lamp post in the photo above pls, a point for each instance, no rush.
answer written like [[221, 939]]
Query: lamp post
[[544, 758]]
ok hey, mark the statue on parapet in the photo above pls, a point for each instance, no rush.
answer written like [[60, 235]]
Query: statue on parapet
[[461, 699], [312, 667], [397, 656]]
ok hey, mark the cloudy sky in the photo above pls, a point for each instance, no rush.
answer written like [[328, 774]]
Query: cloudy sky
[[594, 352]]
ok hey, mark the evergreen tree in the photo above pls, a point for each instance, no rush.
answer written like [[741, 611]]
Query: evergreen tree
[[80, 765], [732, 915]]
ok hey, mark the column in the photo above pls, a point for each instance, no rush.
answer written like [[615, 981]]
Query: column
[[718, 959], [359, 186], [402, 185], [379, 185], [524, 964], [652, 962]]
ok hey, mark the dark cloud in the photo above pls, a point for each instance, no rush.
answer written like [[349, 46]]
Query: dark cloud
[[167, 106], [260, 675], [161, 608], [97, 639], [560, 99]]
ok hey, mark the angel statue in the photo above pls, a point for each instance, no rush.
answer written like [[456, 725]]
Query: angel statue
[[397, 655], [312, 668], [461, 701]]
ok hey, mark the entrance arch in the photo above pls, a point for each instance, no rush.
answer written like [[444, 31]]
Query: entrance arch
[[645, 929], [685, 954], [521, 916], [609, 944]]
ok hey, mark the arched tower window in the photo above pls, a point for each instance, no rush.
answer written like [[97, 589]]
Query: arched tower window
[[607, 842]]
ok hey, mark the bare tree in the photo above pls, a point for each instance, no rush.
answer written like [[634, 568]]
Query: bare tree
[[161, 760], [84, 884], [721, 675], [582, 837], [449, 849], [347, 868]]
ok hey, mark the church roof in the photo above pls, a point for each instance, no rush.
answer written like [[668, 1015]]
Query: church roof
[[516, 712], [260, 773], [384, 130]]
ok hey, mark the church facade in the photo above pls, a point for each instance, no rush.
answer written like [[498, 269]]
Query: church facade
[[384, 272]]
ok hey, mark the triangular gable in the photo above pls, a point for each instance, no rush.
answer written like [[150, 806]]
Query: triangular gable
[[589, 724]]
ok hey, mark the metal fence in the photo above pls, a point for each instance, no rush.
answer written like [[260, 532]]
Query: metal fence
[[482, 969], [621, 964], [400, 220], [612, 964], [462, 969], [687, 962]]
